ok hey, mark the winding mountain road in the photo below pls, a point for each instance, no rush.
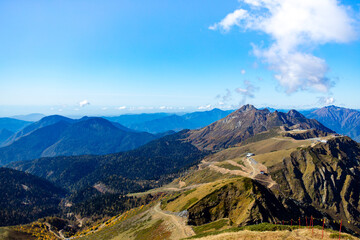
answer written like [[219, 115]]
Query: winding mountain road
[[182, 230]]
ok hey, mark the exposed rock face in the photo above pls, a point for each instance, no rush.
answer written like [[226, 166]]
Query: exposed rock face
[[245, 123], [313, 133], [244, 202], [326, 176]]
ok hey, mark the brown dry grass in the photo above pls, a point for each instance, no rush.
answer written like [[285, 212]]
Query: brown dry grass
[[260, 147], [302, 234], [179, 203], [272, 158]]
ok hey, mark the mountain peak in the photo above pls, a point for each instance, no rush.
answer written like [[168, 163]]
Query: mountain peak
[[245, 123], [295, 114], [246, 108], [55, 118]]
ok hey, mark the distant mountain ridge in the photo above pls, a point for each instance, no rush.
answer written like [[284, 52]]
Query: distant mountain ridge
[[61, 136], [12, 124], [342, 120], [44, 122], [245, 123], [162, 122], [32, 117]]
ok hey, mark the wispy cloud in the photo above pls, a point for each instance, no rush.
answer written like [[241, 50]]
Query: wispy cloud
[[206, 107], [247, 92], [121, 108], [326, 100], [230, 20], [226, 97], [166, 108], [84, 103], [296, 27]]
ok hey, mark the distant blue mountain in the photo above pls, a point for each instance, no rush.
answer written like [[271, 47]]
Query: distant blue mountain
[[33, 117], [131, 119], [160, 122], [61, 136], [342, 120], [4, 135], [12, 124], [46, 121]]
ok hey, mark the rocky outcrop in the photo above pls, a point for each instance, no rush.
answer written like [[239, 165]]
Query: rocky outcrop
[[325, 176], [313, 133]]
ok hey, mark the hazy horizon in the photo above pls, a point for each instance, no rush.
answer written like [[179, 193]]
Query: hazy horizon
[[95, 111]]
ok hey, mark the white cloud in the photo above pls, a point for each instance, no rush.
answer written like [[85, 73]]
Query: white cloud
[[84, 103], [121, 108], [326, 100], [230, 20], [296, 27], [207, 107], [243, 71]]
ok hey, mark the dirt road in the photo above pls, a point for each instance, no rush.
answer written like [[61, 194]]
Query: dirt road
[[250, 169], [181, 230]]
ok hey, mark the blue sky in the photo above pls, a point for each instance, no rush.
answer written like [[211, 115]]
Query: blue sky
[[150, 56]]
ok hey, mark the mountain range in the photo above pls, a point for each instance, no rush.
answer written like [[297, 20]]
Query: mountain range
[[60, 136], [249, 167]]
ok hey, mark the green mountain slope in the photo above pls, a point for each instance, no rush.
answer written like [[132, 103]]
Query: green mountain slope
[[25, 197], [154, 160]]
